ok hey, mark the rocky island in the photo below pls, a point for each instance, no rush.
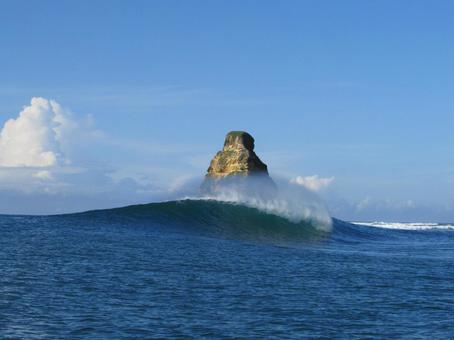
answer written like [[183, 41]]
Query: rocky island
[[237, 166]]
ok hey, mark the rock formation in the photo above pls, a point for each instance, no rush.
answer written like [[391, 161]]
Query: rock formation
[[237, 157], [236, 163]]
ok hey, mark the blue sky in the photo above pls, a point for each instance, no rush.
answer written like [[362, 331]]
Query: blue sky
[[359, 92]]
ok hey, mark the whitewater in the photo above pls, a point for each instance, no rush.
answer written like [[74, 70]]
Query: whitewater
[[408, 225]]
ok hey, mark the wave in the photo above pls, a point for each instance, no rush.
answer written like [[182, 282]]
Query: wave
[[243, 208], [407, 225], [210, 218], [233, 220]]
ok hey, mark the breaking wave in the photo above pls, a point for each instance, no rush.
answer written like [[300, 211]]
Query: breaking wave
[[408, 225], [210, 217]]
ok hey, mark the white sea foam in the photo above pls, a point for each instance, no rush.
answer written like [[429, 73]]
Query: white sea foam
[[408, 225]]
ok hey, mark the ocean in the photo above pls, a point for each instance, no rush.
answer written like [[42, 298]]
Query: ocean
[[211, 269]]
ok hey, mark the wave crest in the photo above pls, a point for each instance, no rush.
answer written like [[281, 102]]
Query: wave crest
[[287, 200]]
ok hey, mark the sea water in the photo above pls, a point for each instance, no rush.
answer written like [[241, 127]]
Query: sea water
[[194, 269]]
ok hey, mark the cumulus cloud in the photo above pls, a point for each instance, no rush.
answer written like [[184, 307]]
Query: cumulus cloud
[[33, 138], [36, 148], [314, 183]]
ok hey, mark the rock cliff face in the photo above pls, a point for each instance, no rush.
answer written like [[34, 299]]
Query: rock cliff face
[[237, 157], [237, 168]]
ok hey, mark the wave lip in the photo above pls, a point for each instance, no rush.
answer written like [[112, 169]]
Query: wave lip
[[407, 225]]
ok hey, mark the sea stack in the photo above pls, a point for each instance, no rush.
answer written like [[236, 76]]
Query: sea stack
[[237, 166]]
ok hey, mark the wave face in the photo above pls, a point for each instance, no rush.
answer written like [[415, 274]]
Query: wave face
[[214, 218]]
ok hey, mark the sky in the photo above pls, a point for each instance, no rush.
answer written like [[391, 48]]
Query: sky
[[108, 103]]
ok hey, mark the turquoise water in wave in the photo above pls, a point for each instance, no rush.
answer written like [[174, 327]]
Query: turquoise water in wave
[[211, 269]]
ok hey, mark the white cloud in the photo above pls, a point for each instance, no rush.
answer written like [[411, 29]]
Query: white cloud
[[33, 138], [37, 146], [314, 183]]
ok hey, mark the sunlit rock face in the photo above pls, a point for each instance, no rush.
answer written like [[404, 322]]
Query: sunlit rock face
[[237, 168], [237, 157]]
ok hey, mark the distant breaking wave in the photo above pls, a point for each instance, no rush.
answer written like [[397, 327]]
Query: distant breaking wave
[[408, 226]]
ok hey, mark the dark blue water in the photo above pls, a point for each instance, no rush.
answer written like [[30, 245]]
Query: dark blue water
[[207, 269]]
